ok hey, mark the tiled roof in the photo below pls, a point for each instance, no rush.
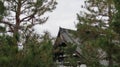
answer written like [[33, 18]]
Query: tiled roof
[[68, 36]]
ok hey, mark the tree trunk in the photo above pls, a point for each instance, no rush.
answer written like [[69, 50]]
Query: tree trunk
[[110, 63], [17, 23], [110, 50]]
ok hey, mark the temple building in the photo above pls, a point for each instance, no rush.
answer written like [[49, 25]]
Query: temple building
[[66, 38]]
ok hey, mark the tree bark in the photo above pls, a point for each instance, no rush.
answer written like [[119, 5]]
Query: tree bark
[[17, 25]]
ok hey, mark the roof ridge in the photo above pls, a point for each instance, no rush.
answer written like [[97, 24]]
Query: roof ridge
[[61, 28]]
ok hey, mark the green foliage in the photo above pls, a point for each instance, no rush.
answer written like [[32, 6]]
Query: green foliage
[[116, 22], [7, 51], [98, 35], [88, 32], [36, 52], [32, 12], [2, 29], [2, 10], [69, 50]]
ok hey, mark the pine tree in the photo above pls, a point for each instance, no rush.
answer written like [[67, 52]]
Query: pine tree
[[96, 32], [19, 18], [37, 52], [22, 15], [26, 13]]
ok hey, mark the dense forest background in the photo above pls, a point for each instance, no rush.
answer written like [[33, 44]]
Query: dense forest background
[[98, 29]]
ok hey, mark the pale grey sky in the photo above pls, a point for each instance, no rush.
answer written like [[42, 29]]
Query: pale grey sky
[[63, 16]]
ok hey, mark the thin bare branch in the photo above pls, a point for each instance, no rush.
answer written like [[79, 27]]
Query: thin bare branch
[[5, 22]]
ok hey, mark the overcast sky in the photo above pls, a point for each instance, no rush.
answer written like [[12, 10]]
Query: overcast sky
[[63, 16]]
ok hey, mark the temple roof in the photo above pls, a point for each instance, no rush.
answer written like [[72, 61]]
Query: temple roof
[[67, 36]]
